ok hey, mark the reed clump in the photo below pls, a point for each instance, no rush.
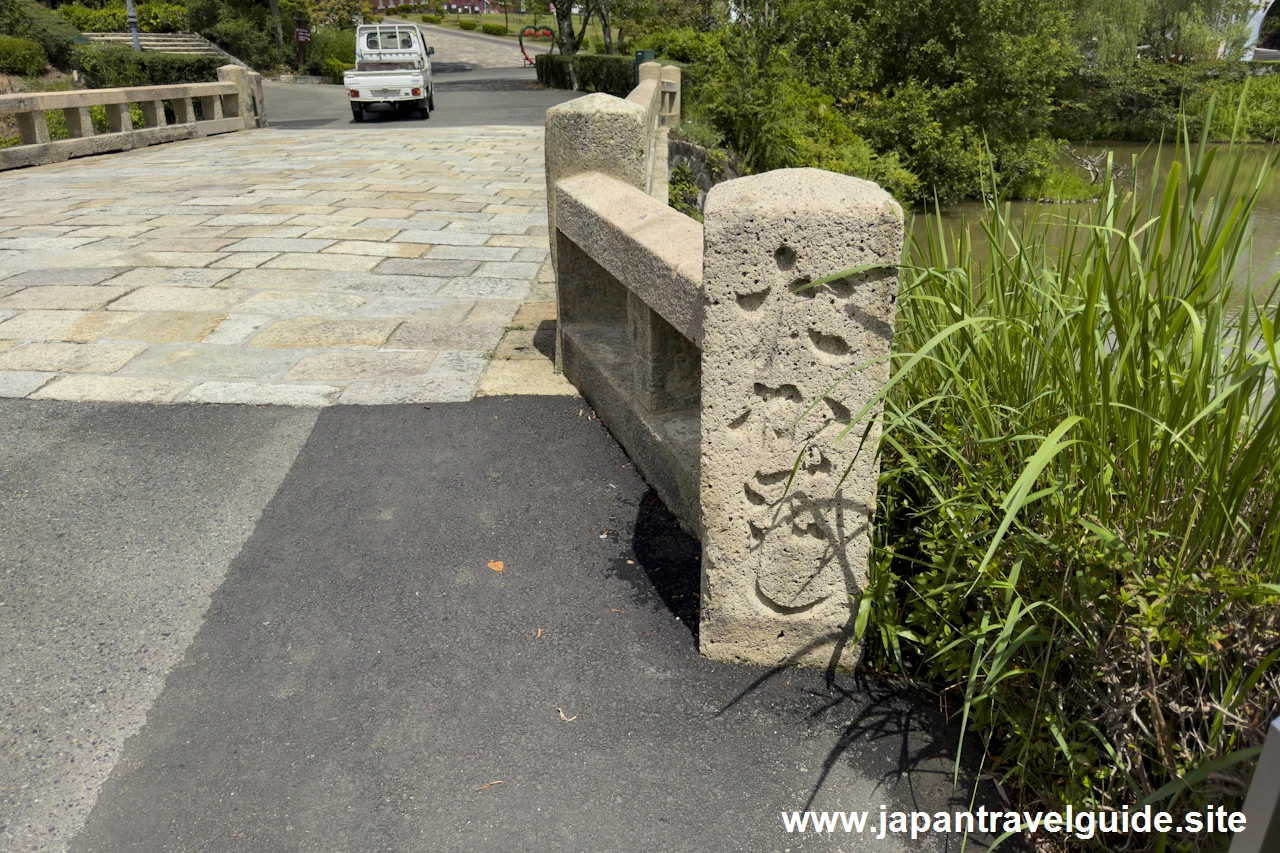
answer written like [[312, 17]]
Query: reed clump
[[1077, 530]]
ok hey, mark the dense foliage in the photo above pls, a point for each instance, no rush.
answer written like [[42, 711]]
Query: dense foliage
[[110, 66], [31, 20], [614, 75], [21, 56], [152, 18]]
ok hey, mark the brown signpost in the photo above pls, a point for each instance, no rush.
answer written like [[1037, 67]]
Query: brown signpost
[[301, 37]]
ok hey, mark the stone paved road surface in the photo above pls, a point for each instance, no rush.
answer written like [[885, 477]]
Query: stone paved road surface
[[291, 267]]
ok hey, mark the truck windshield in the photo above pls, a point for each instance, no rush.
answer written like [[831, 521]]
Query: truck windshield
[[389, 40]]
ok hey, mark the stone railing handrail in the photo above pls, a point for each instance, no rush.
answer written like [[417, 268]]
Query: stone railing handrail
[[728, 383], [654, 251], [24, 102], [233, 103]]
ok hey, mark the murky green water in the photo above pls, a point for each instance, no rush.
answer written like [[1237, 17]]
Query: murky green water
[[1266, 222]]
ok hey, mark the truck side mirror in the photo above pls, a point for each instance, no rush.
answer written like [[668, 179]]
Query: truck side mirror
[[431, 51]]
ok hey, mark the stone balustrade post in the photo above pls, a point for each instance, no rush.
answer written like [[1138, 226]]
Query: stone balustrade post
[[239, 105], [79, 122], [33, 128], [782, 567], [119, 119], [153, 114], [183, 111], [595, 133], [670, 96]]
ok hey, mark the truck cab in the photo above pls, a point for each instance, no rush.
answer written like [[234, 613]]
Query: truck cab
[[393, 66]]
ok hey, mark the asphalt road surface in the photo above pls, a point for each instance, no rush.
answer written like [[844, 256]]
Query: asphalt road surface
[[503, 97], [306, 608]]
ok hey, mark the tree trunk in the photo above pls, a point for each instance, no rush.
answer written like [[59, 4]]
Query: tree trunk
[[275, 19], [603, 12], [564, 20]]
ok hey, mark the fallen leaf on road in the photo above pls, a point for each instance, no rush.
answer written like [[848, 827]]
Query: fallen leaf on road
[[539, 637], [616, 610], [631, 562], [491, 784], [496, 565], [566, 719]]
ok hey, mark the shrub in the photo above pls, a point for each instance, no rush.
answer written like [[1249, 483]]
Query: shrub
[[21, 56], [330, 44], [243, 39], [30, 19], [430, 19], [110, 66], [494, 29], [375, 19], [467, 24], [95, 20], [162, 18], [614, 75], [1077, 509], [552, 70], [335, 68]]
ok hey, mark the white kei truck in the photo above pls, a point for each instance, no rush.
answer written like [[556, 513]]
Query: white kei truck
[[393, 66]]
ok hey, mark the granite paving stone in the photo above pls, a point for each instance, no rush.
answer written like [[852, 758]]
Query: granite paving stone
[[314, 332], [333, 263], [118, 389], [376, 249], [259, 394], [179, 299], [210, 270], [77, 326], [237, 328], [65, 297], [418, 335], [340, 366], [208, 360], [70, 358], [168, 327], [423, 266], [272, 279], [20, 383], [62, 276]]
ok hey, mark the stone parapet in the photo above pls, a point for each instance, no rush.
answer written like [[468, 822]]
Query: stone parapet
[[234, 103], [725, 378]]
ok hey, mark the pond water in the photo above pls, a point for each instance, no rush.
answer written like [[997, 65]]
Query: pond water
[[1266, 221]]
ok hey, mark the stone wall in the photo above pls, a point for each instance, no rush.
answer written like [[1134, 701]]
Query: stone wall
[[706, 167]]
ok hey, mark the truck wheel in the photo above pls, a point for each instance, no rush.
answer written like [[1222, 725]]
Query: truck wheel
[[357, 113], [431, 100], [424, 109]]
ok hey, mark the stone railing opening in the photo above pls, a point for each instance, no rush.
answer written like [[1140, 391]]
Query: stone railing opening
[[697, 350], [235, 102]]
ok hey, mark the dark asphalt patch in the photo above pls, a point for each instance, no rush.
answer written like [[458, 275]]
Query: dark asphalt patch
[[364, 681]]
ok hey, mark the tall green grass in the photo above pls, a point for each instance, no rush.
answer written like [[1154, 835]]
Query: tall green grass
[[1077, 534]]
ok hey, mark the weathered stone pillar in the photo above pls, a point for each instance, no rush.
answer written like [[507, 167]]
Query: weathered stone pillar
[[33, 128], [183, 111], [240, 104], [79, 122], [153, 113], [665, 366], [782, 567], [595, 133], [259, 100], [210, 108], [670, 96], [119, 119]]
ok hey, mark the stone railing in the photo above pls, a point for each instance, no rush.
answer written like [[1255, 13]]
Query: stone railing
[[659, 95], [697, 349], [233, 103]]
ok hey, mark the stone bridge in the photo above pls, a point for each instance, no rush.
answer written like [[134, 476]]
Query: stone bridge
[[303, 267]]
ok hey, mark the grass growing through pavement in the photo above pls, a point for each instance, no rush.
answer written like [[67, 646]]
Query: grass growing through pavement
[[1077, 527]]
